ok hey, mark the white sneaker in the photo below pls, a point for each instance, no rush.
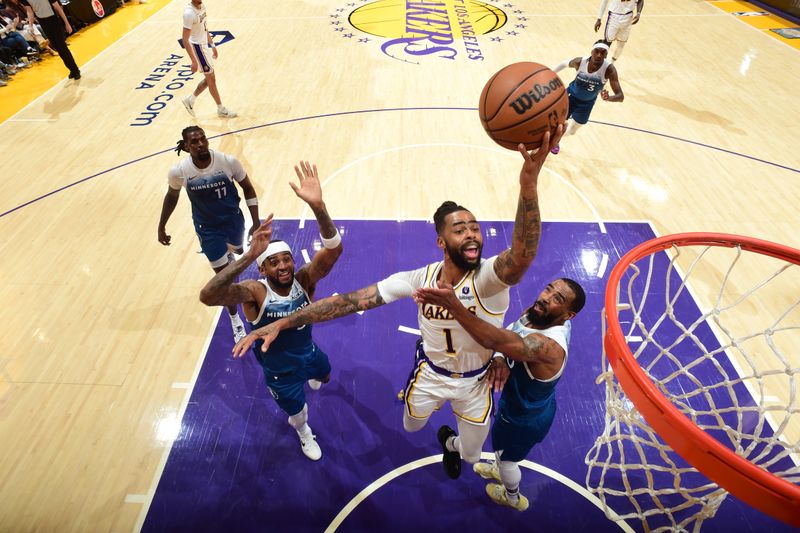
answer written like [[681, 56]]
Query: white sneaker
[[224, 112], [310, 447], [314, 384], [187, 103], [239, 332]]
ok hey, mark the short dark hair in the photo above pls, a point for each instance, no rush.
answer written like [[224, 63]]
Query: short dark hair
[[580, 295], [186, 131], [445, 209]]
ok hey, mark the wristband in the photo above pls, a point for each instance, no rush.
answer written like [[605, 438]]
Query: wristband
[[250, 202], [331, 243]]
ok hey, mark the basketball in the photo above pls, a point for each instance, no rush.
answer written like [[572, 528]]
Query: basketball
[[522, 102]]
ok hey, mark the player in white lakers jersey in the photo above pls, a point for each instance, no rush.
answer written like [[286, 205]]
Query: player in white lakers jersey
[[202, 52], [622, 14], [450, 365]]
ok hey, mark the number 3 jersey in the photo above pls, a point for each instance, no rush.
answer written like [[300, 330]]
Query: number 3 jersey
[[587, 85], [445, 341], [214, 198]]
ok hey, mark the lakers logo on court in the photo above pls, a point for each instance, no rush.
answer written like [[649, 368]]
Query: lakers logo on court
[[413, 31]]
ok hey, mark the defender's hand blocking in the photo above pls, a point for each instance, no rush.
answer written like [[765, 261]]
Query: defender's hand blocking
[[310, 190], [268, 334], [261, 237], [534, 159]]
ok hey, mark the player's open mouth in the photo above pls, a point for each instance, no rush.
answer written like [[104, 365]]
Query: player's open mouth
[[471, 251]]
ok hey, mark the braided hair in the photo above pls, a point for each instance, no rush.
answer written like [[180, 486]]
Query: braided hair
[[186, 131], [445, 209]]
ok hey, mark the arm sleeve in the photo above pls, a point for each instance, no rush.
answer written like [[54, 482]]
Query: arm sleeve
[[401, 285], [175, 179]]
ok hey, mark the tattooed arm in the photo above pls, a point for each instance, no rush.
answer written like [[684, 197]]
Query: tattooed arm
[[535, 348], [320, 311], [512, 263]]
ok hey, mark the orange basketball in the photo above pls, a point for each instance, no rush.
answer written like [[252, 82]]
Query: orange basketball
[[520, 103]]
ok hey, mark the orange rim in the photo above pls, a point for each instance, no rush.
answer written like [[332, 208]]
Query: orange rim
[[753, 485]]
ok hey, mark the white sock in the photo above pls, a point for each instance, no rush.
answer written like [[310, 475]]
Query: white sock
[[452, 445]]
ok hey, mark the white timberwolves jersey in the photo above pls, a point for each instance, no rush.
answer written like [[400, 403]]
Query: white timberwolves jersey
[[445, 341]]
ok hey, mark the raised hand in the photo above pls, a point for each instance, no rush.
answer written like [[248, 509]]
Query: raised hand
[[309, 190], [261, 237], [534, 159]]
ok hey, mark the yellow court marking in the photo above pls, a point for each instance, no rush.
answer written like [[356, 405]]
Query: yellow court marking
[[765, 23], [28, 84]]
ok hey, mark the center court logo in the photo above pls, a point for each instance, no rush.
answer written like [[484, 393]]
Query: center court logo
[[413, 31]]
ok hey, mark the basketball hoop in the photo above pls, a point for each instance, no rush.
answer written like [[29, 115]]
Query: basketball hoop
[[709, 365]]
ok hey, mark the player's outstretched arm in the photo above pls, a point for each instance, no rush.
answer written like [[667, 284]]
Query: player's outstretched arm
[[534, 348], [512, 263], [309, 190], [335, 306], [221, 289]]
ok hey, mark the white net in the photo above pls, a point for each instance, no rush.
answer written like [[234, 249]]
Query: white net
[[717, 330]]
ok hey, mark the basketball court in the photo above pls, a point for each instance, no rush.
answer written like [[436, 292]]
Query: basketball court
[[120, 406]]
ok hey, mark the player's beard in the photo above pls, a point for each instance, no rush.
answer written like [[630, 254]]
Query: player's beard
[[542, 319], [462, 262], [204, 156]]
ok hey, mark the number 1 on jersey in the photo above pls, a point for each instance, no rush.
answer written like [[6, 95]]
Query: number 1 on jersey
[[448, 338]]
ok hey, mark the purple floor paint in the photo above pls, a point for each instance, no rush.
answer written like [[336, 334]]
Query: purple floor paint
[[237, 464]]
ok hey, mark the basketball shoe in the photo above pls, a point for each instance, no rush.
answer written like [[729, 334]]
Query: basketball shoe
[[499, 495], [308, 443], [188, 104], [487, 470], [237, 325], [224, 112], [450, 460]]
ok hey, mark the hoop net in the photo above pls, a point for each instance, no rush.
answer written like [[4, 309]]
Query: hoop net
[[704, 343]]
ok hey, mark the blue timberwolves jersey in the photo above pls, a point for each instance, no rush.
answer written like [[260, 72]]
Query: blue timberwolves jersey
[[288, 352], [524, 396], [587, 85], [214, 198]]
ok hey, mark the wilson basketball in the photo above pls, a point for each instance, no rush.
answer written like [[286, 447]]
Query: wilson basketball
[[520, 103]]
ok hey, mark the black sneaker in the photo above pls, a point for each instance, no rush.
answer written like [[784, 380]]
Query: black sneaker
[[450, 460]]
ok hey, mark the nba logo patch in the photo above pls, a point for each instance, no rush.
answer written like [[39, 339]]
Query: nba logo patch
[[465, 290]]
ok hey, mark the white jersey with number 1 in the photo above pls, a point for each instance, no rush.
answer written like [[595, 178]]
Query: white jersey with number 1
[[445, 341], [195, 19]]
